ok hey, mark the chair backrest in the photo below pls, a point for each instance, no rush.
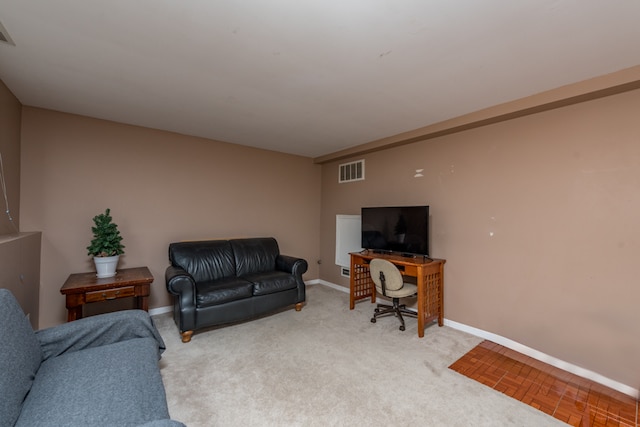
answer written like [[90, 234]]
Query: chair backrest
[[385, 275]]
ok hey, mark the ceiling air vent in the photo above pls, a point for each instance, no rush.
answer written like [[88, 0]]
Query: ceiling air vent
[[4, 36], [353, 171]]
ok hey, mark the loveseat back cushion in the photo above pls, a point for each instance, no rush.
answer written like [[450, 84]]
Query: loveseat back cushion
[[20, 358], [205, 260], [255, 255]]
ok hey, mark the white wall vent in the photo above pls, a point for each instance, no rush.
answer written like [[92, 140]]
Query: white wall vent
[[353, 171], [348, 238]]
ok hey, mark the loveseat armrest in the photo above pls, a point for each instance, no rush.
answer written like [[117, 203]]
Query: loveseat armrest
[[293, 265], [99, 330]]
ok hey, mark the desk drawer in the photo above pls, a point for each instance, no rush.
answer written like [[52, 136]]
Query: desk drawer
[[410, 270], [98, 296]]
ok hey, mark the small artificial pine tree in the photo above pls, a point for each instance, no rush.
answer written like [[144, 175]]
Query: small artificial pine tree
[[401, 226], [106, 237]]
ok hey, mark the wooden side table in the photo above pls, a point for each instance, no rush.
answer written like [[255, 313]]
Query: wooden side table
[[84, 288]]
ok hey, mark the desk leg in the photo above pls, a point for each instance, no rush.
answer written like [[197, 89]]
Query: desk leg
[[441, 294], [360, 282], [421, 297], [352, 284]]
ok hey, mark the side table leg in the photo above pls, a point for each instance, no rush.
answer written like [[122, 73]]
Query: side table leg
[[74, 313], [143, 303]]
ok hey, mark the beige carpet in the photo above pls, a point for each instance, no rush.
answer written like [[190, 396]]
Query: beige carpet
[[329, 366]]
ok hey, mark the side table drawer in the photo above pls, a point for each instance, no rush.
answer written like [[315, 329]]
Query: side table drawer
[[98, 296]]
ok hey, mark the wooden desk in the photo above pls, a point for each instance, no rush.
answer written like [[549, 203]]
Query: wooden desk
[[429, 279], [84, 288]]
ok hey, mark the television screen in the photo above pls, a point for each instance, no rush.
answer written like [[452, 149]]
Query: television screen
[[403, 229]]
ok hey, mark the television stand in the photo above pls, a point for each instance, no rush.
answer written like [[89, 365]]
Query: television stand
[[429, 276]]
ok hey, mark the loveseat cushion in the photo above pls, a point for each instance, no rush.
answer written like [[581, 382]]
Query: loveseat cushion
[[112, 385], [204, 260], [20, 357], [271, 282], [255, 255], [222, 291]]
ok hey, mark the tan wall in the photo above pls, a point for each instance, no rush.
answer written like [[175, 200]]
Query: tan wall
[[19, 252], [20, 270], [538, 220], [10, 116], [160, 187]]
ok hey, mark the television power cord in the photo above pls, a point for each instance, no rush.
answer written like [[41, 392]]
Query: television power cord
[[4, 193]]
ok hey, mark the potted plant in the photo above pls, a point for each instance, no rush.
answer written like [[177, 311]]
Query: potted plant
[[400, 229], [106, 245]]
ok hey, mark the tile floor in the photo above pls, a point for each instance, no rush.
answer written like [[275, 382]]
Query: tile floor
[[565, 396]]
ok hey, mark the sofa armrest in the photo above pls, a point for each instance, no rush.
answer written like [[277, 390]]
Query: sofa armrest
[[183, 286], [99, 330], [179, 282], [293, 265]]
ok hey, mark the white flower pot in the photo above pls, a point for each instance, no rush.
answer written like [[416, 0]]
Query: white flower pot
[[106, 265]]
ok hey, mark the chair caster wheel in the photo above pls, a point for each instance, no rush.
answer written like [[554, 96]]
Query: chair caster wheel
[[402, 328], [377, 310], [373, 320]]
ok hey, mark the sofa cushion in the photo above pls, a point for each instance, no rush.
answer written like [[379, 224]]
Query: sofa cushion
[[255, 255], [20, 357], [271, 282], [112, 385], [222, 291], [98, 330], [204, 260]]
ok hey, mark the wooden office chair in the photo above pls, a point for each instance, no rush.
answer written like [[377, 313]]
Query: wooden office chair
[[389, 283]]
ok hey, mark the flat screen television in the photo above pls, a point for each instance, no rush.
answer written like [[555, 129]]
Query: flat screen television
[[390, 229]]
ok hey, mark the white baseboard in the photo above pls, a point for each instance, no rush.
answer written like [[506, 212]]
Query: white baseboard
[[543, 357], [328, 284], [513, 345], [160, 310]]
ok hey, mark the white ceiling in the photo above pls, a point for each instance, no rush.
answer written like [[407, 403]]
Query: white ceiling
[[304, 77]]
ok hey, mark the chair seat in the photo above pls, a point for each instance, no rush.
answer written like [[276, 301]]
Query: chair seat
[[389, 282], [406, 290]]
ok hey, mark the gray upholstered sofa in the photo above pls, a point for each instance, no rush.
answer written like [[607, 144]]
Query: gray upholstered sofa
[[222, 281], [97, 371]]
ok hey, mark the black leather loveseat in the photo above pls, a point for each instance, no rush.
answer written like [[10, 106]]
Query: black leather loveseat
[[222, 281]]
